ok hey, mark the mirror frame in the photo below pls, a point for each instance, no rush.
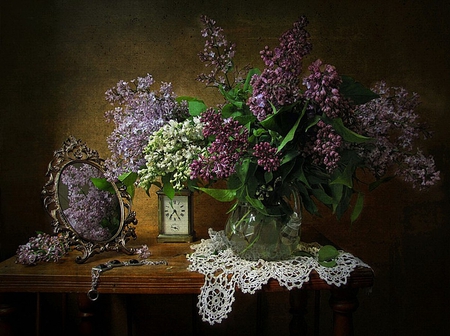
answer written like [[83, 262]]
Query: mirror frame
[[75, 151]]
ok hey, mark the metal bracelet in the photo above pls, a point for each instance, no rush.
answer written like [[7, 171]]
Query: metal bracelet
[[99, 269]]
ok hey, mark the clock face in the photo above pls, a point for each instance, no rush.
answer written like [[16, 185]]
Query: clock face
[[175, 216]]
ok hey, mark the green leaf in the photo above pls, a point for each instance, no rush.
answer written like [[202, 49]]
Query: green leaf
[[327, 256], [290, 136], [313, 122], [245, 119], [258, 132], [349, 162], [289, 156], [246, 169], [256, 203], [168, 189], [343, 178], [323, 197], [344, 203], [315, 176], [222, 195], [131, 189], [357, 92], [196, 106], [343, 131], [268, 176], [228, 110], [307, 202], [128, 178], [293, 130], [378, 182], [299, 173], [286, 171], [252, 184], [336, 192], [272, 123], [234, 182], [103, 184], [233, 96], [358, 207]]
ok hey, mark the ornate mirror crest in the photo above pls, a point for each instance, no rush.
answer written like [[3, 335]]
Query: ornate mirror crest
[[93, 220]]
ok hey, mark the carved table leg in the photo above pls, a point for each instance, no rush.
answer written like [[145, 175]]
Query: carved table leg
[[344, 302], [298, 299], [86, 314]]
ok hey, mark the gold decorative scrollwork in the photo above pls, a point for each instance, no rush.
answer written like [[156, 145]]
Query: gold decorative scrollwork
[[76, 156]]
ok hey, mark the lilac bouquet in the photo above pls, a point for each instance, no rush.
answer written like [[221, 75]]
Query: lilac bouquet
[[278, 129]]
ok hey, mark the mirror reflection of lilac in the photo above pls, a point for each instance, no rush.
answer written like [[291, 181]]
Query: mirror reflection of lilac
[[92, 213]]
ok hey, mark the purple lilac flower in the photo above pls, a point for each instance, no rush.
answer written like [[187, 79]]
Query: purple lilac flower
[[278, 84], [294, 45], [137, 114], [324, 146], [419, 170], [42, 248], [229, 145], [273, 87], [143, 252], [267, 156], [322, 88], [322, 91], [91, 212], [391, 121], [218, 54]]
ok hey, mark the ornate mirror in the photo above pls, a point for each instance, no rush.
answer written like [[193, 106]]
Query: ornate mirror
[[93, 219]]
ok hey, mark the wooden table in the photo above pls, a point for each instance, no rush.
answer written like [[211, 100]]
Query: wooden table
[[68, 277]]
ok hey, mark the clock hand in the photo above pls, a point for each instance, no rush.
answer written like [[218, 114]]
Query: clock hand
[[176, 213]]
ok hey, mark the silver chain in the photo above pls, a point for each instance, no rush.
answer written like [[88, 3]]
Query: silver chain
[[99, 269]]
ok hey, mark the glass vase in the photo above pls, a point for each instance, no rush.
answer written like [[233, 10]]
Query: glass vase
[[254, 235]]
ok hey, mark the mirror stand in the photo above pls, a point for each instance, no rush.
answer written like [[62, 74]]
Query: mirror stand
[[118, 244], [93, 220]]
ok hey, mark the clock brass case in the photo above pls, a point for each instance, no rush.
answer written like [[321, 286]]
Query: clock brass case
[[175, 218]]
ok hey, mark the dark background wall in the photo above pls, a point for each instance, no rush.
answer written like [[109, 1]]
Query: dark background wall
[[59, 57]]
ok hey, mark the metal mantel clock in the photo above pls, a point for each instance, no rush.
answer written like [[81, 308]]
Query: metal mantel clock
[[175, 218]]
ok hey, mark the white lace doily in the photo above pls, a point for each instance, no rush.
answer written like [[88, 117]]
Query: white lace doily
[[224, 271]]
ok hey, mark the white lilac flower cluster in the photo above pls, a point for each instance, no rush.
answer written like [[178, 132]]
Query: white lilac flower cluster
[[170, 152]]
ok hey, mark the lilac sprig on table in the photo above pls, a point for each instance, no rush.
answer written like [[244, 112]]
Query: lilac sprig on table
[[42, 248], [47, 248], [143, 251]]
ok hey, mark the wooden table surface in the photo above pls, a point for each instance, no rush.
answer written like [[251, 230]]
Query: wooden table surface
[[174, 278], [68, 276]]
